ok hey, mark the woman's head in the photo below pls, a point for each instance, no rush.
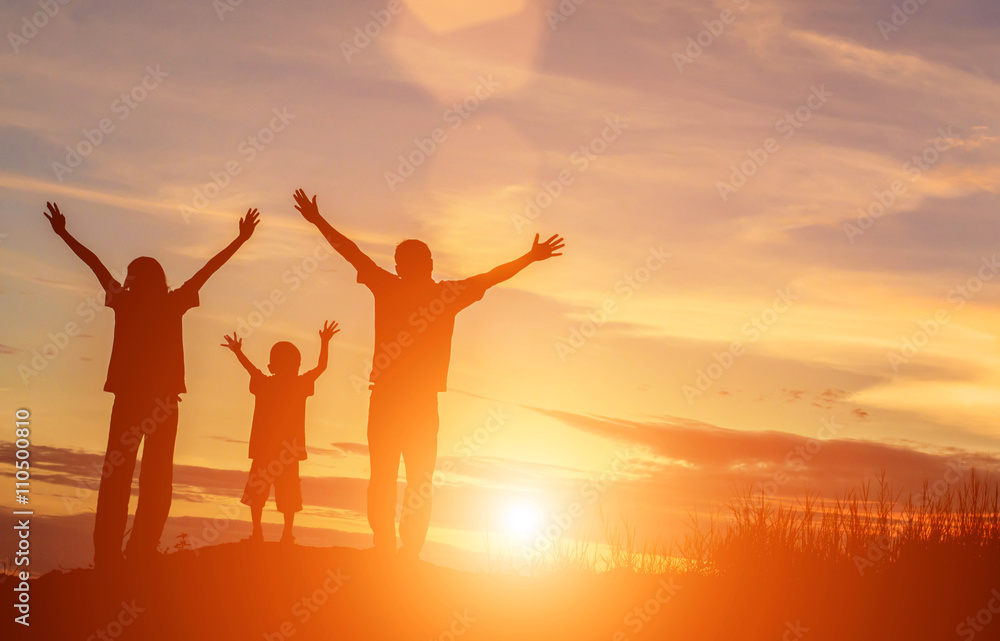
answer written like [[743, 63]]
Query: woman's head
[[145, 276], [285, 359]]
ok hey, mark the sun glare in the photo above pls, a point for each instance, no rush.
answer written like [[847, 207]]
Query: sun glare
[[522, 519]]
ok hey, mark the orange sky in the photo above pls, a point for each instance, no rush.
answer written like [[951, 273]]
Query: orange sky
[[723, 297]]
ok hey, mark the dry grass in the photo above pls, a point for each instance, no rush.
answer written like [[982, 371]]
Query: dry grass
[[867, 530]]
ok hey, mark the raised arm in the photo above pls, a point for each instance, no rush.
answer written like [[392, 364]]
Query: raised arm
[[235, 344], [539, 251], [325, 334], [344, 245], [58, 222], [247, 224]]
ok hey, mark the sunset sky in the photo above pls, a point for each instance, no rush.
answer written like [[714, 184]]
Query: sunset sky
[[723, 297]]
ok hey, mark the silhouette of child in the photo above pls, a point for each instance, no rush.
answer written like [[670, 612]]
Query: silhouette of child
[[277, 435], [146, 375]]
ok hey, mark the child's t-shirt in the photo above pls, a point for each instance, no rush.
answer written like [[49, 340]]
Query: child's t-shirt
[[279, 415], [147, 356]]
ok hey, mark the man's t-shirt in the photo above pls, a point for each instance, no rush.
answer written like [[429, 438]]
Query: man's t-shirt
[[147, 357], [414, 323], [279, 415]]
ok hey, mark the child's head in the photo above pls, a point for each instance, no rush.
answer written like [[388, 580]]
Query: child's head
[[145, 276], [285, 359], [413, 260]]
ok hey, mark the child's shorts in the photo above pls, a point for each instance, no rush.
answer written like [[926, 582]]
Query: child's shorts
[[283, 476]]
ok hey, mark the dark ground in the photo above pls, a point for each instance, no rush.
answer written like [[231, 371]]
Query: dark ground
[[236, 591]]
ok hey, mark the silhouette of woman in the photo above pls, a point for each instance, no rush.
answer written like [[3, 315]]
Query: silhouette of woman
[[146, 375]]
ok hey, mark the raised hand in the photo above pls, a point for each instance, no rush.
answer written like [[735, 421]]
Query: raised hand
[[233, 343], [55, 218], [248, 223], [329, 329], [548, 249], [308, 208]]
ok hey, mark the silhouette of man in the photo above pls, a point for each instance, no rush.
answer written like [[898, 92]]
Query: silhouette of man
[[414, 320], [146, 375]]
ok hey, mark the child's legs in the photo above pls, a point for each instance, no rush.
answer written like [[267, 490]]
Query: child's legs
[[288, 491], [256, 491], [155, 476], [116, 480]]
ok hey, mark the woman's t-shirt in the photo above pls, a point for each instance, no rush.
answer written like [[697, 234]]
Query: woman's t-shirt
[[147, 357]]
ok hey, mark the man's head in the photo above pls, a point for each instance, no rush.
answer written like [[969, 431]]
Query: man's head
[[285, 359], [145, 277], [413, 260]]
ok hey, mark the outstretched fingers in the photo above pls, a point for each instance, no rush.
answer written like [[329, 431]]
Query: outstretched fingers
[[329, 329], [554, 244], [305, 206], [55, 217], [53, 211], [249, 222]]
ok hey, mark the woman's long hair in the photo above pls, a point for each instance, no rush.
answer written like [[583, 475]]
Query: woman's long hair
[[146, 277]]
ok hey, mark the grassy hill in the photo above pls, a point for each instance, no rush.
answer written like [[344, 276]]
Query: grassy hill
[[240, 591]]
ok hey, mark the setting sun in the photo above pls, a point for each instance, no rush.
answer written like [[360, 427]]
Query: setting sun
[[522, 519]]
